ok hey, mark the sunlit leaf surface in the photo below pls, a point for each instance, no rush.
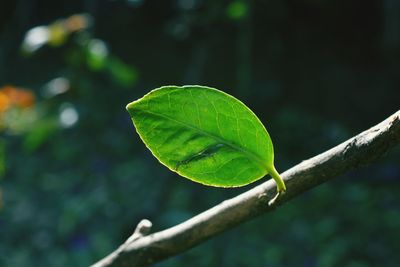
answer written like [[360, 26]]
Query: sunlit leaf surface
[[203, 134]]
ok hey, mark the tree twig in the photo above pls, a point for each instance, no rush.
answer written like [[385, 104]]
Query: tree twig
[[144, 250]]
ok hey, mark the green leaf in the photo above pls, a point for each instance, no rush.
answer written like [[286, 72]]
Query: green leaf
[[204, 135]]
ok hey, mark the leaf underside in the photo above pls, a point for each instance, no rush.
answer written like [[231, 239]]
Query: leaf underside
[[203, 134]]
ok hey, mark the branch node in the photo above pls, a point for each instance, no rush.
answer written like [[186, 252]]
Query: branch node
[[262, 195], [142, 229]]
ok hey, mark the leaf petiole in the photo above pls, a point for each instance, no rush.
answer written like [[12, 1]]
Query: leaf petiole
[[280, 185]]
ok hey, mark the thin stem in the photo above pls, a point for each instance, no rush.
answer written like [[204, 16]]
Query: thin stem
[[280, 184]]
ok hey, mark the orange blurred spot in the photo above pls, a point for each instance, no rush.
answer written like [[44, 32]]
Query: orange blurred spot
[[13, 96], [4, 102], [77, 22]]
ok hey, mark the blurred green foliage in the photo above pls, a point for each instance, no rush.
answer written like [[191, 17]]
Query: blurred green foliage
[[75, 180], [237, 9]]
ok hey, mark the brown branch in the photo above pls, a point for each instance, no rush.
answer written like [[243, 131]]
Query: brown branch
[[367, 146]]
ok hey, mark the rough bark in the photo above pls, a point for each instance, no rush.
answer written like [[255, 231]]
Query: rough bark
[[144, 250]]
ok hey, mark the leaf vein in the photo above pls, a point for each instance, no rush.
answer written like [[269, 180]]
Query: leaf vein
[[249, 154]]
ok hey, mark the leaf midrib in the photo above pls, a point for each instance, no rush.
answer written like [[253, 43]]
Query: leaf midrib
[[250, 154]]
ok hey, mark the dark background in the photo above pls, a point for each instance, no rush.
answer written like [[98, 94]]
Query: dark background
[[75, 178]]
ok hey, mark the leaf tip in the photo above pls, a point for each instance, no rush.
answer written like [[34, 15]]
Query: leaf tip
[[130, 108]]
